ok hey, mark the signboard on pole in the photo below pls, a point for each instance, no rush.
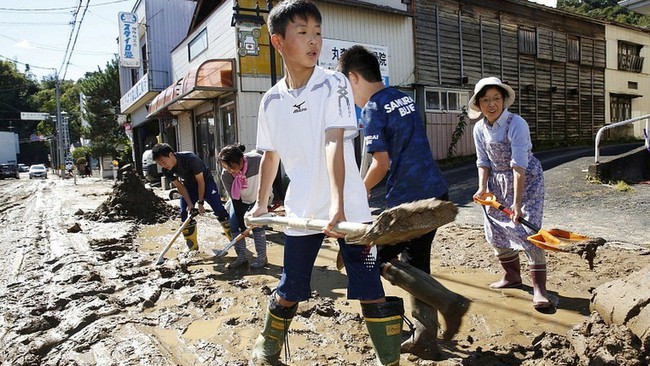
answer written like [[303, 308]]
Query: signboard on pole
[[334, 48], [129, 40], [34, 116]]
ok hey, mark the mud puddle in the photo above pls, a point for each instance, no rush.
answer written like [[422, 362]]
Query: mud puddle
[[227, 315]]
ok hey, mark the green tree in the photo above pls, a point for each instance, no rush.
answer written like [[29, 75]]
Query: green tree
[[45, 99], [102, 91], [16, 90], [606, 10]]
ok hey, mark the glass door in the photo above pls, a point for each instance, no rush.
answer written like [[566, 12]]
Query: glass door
[[228, 122], [205, 141]]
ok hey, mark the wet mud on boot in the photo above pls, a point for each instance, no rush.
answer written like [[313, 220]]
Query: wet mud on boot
[[423, 343], [384, 321], [237, 263], [512, 276], [225, 224], [540, 295], [269, 343], [189, 233]]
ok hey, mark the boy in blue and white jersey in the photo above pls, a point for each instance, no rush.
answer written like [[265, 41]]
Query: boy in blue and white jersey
[[308, 121], [397, 140]]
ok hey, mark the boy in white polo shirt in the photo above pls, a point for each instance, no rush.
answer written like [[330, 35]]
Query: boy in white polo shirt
[[308, 120]]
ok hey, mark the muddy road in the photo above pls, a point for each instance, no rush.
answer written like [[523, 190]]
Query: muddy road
[[89, 295]]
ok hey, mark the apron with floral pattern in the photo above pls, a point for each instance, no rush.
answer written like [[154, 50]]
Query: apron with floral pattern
[[500, 230]]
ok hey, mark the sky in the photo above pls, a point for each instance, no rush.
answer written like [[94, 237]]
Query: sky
[[37, 32]]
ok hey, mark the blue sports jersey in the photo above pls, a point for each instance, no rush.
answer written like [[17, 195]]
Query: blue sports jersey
[[391, 123]]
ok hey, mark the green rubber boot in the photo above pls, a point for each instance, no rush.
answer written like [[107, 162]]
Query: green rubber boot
[[268, 345], [384, 323], [190, 236]]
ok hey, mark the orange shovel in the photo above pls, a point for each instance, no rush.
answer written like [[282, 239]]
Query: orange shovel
[[553, 239]]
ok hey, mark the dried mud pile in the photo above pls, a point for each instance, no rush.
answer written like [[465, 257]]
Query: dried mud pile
[[131, 200]]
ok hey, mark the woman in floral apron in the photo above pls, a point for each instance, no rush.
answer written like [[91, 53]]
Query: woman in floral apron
[[508, 169]]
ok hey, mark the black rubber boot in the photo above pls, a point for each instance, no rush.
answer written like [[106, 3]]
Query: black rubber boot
[[451, 305], [384, 322], [424, 341], [268, 345], [512, 277]]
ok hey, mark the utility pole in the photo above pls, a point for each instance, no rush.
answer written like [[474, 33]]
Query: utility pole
[[59, 134], [63, 134]]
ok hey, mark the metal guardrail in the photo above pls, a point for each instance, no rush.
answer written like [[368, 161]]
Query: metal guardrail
[[599, 134]]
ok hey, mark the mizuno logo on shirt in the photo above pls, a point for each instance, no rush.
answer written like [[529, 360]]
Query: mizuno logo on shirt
[[298, 107]]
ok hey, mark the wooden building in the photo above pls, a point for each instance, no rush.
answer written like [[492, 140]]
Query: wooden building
[[222, 67], [554, 60]]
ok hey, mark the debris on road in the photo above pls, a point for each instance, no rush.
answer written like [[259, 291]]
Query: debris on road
[[132, 200]]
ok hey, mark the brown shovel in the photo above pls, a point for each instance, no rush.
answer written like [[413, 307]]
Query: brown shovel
[[553, 239], [395, 225], [223, 252]]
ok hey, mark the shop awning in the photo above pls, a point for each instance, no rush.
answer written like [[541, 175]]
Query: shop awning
[[209, 80]]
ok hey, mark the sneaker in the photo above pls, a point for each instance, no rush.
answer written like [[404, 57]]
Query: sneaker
[[259, 263], [237, 263]]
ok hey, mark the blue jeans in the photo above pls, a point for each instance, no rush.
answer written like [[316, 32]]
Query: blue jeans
[[300, 252], [259, 234], [211, 197]]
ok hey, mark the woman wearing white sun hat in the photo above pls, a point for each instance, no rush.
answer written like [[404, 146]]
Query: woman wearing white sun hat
[[508, 169]]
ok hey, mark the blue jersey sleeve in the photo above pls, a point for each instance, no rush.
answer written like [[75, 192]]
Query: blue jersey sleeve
[[374, 127]]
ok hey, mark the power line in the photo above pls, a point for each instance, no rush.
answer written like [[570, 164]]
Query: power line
[[74, 27], [57, 49], [75, 38], [58, 9], [32, 23], [30, 65]]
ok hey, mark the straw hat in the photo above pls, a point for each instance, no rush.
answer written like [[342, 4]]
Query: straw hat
[[473, 111]]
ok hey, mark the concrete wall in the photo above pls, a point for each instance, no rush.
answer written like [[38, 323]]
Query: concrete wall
[[633, 166]]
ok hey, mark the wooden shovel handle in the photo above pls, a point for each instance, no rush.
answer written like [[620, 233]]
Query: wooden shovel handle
[[344, 227], [488, 199]]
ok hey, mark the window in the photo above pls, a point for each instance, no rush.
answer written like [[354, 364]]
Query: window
[[144, 58], [629, 58], [135, 76], [198, 44], [437, 100], [527, 42], [632, 85], [573, 49], [620, 108]]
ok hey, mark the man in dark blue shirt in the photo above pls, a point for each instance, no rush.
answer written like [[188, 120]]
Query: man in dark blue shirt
[[397, 140], [194, 182]]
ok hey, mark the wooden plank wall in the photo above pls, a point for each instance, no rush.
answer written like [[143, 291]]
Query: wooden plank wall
[[562, 100]]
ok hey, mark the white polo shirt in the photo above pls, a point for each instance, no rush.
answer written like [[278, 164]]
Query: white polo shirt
[[294, 127]]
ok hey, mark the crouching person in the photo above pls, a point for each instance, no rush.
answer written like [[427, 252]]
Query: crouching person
[[194, 182]]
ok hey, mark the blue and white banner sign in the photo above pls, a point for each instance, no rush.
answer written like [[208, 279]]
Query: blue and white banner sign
[[129, 40]]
